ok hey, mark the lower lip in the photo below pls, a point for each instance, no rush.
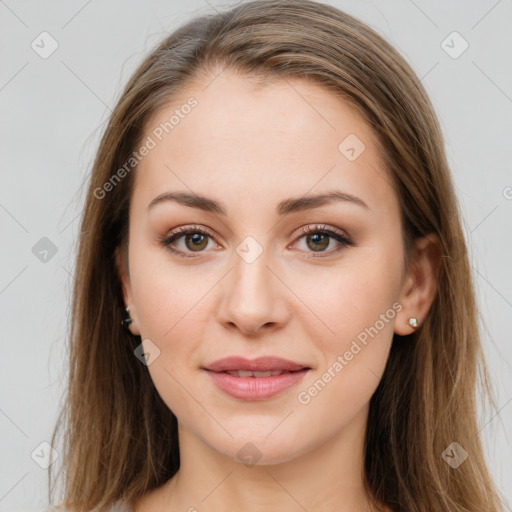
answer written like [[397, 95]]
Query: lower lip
[[255, 388]]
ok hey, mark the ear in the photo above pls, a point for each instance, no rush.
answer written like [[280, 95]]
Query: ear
[[124, 277], [420, 284]]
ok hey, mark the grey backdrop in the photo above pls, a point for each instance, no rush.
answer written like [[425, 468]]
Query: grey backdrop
[[56, 91]]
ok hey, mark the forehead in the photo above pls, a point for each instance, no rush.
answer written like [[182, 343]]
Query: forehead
[[240, 139]]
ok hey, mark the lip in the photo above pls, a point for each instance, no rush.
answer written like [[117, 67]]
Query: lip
[[255, 388], [260, 364]]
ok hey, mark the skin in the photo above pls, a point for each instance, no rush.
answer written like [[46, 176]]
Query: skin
[[251, 147]]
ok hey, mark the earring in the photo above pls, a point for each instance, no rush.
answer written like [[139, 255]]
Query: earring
[[127, 321], [413, 322]]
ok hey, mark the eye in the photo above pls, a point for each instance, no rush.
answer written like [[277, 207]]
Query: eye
[[195, 240], [318, 238]]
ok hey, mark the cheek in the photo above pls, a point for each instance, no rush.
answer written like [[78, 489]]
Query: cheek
[[353, 359], [166, 295], [173, 311], [172, 315], [340, 302], [355, 309]]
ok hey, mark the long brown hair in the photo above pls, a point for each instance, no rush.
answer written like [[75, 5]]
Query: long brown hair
[[120, 439]]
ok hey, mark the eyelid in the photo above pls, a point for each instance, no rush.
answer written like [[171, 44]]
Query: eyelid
[[313, 228], [190, 228]]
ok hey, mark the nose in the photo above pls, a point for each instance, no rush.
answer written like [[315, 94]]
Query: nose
[[253, 298]]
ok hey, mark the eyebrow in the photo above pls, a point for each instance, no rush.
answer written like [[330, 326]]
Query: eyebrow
[[287, 206]]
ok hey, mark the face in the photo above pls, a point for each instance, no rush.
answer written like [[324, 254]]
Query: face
[[265, 273]]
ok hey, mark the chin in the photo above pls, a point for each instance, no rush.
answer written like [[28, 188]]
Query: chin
[[261, 449]]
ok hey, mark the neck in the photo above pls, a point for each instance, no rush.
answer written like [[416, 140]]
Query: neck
[[326, 477]]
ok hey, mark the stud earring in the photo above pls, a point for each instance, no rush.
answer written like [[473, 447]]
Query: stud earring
[[127, 321], [413, 322]]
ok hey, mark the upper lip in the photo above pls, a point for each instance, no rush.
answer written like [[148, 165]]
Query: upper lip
[[264, 363]]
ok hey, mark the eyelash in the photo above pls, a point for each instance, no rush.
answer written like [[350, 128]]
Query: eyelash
[[167, 240]]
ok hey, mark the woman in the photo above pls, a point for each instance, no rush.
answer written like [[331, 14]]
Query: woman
[[273, 307]]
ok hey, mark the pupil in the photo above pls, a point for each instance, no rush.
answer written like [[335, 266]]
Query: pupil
[[316, 240], [196, 239]]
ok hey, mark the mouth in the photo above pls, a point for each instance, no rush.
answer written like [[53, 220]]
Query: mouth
[[260, 374], [261, 367], [245, 386]]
